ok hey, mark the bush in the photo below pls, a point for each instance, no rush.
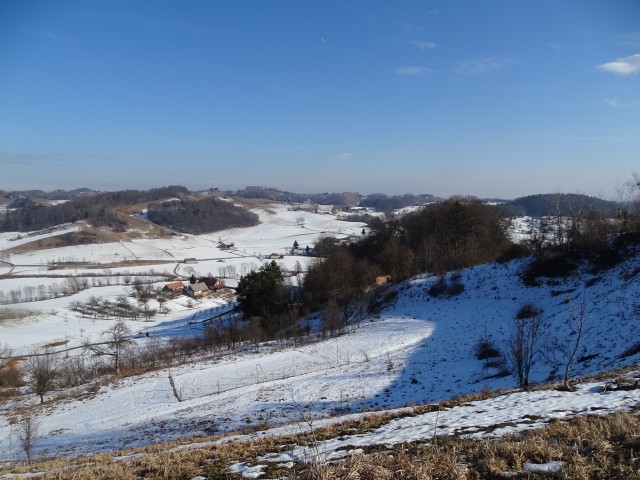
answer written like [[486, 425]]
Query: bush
[[456, 288], [485, 349], [10, 374], [559, 266], [631, 351], [439, 288], [528, 310]]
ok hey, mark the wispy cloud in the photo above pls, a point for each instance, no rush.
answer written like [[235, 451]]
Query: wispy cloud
[[54, 36], [423, 45], [623, 66], [413, 71], [632, 39], [615, 103], [345, 156], [480, 65], [596, 138], [8, 158], [558, 47]]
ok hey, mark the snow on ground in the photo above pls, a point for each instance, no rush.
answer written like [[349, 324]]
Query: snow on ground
[[272, 386], [276, 234], [418, 349], [513, 413], [14, 239]]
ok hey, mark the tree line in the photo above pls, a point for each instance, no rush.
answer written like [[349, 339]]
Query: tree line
[[98, 209], [450, 235], [207, 215], [71, 285], [442, 237]]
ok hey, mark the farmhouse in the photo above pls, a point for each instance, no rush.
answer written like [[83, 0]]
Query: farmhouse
[[197, 290], [190, 260], [382, 279], [173, 289], [210, 282]]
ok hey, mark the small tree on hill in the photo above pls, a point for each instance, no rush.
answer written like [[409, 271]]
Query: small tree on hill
[[117, 340], [523, 346], [41, 367], [578, 318], [27, 432]]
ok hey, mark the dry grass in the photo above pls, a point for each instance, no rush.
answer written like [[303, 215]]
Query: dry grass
[[590, 447], [10, 315]]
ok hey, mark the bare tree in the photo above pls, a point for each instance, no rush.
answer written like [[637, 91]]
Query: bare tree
[[578, 317], [117, 341], [27, 433], [42, 370], [331, 317], [523, 346], [162, 306]]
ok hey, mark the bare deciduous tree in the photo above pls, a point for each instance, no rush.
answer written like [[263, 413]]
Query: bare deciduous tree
[[42, 371], [117, 341], [578, 318], [523, 346], [27, 433]]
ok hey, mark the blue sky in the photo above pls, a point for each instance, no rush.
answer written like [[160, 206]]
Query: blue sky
[[497, 98]]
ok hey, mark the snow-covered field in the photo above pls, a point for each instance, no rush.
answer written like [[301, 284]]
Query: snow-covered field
[[417, 349], [276, 233]]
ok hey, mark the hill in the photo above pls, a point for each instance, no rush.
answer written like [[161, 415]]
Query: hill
[[418, 349], [565, 204]]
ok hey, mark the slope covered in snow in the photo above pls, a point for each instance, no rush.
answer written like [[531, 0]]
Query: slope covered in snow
[[417, 349]]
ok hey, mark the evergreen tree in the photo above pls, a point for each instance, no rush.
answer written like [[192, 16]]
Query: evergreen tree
[[262, 293]]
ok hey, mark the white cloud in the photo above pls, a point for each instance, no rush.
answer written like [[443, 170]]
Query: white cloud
[[424, 45], [479, 65], [343, 157], [623, 66], [413, 71]]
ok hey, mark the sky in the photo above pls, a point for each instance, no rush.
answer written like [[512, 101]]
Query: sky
[[499, 98]]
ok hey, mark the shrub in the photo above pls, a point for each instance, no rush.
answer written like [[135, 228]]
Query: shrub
[[456, 288], [10, 374], [558, 266], [631, 351], [528, 310], [439, 288], [485, 348]]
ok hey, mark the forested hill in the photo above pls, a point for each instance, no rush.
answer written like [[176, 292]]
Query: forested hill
[[383, 203], [378, 201], [98, 209], [54, 195], [269, 193], [206, 215], [563, 203]]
